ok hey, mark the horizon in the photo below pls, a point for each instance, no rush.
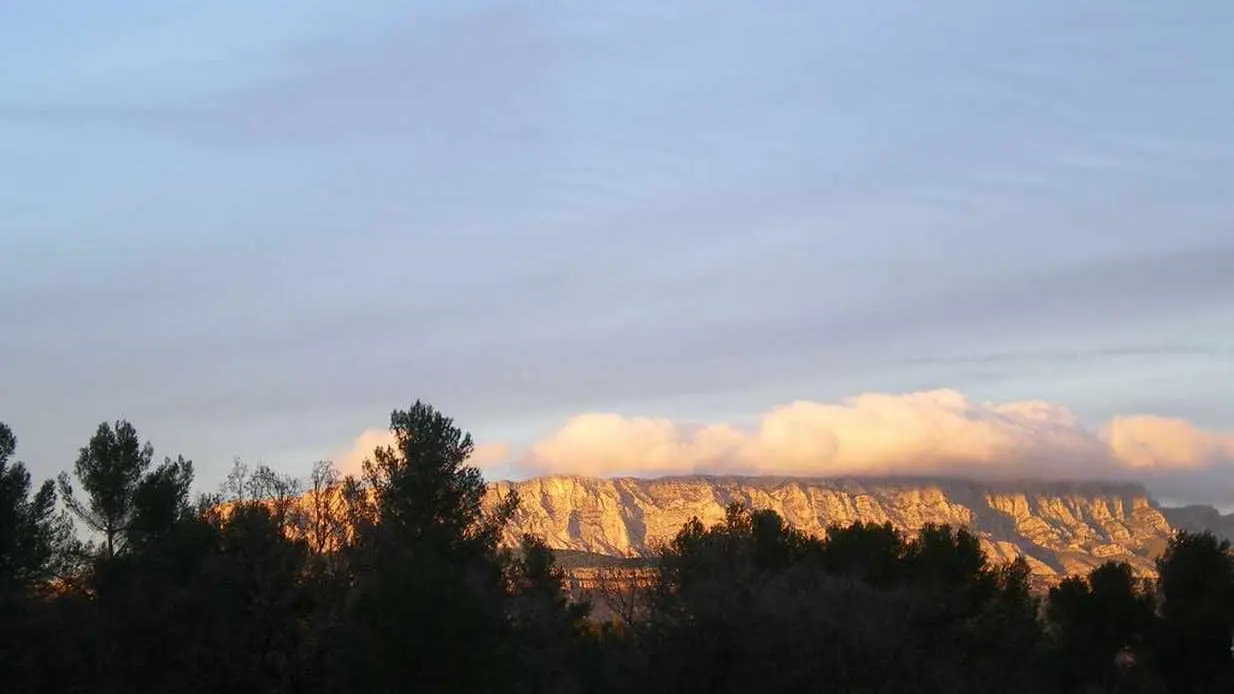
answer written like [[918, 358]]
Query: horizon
[[982, 239]]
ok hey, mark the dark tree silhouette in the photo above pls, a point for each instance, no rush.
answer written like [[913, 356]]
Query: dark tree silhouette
[[396, 582], [33, 536], [550, 631], [1196, 588], [424, 489], [110, 469], [866, 551], [944, 558], [429, 600], [1099, 627], [34, 540], [160, 501]]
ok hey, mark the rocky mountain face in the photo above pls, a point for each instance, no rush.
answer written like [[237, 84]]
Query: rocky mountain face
[[1059, 527]]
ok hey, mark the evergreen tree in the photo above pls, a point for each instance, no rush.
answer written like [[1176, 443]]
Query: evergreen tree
[[1196, 588], [866, 551], [549, 630], [110, 469], [1099, 627], [33, 536], [429, 601]]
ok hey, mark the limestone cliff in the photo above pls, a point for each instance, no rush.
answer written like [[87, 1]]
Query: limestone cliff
[[1059, 527]]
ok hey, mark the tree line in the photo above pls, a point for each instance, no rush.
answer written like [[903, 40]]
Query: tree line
[[394, 580]]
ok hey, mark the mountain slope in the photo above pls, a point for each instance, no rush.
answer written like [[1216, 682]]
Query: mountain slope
[[1060, 527]]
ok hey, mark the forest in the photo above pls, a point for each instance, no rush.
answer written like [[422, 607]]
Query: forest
[[115, 577]]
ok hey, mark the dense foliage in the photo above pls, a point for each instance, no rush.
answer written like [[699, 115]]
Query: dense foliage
[[395, 582]]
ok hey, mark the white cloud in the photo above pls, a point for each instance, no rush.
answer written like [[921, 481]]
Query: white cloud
[[928, 433], [939, 432], [1157, 442]]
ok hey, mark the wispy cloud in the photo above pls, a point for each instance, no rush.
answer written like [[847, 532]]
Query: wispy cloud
[[585, 342], [1059, 356], [523, 212], [471, 73]]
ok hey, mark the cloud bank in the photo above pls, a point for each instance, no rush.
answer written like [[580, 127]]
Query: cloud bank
[[927, 433], [939, 432]]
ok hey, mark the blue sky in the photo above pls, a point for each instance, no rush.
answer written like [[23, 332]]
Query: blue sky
[[255, 228]]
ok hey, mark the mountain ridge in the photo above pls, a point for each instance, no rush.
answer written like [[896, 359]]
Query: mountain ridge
[[1060, 527]]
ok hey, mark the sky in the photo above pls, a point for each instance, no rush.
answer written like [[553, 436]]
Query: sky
[[626, 238]]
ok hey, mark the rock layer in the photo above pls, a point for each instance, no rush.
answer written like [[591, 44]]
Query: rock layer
[[1059, 527]]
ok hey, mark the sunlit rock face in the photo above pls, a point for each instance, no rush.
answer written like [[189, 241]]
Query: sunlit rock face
[[1059, 527]]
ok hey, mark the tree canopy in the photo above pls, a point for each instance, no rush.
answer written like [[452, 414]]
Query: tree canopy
[[396, 580]]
